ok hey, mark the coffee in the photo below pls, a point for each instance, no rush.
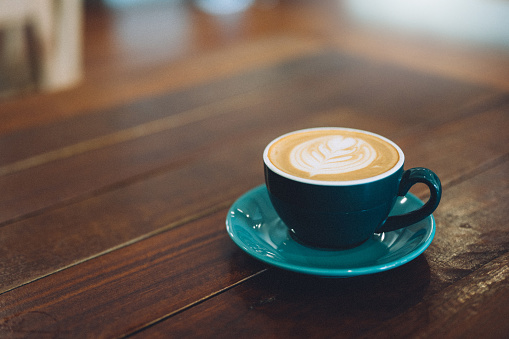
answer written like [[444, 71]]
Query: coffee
[[333, 154]]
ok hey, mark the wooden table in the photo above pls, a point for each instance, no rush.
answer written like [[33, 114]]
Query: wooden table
[[114, 194]]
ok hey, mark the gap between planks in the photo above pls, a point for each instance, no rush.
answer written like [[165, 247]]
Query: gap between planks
[[195, 115], [195, 303], [175, 224], [216, 208], [152, 127], [453, 182], [185, 118], [497, 275]]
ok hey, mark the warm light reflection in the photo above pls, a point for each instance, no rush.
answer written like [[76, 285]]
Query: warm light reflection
[[215, 7], [223, 7], [466, 20]]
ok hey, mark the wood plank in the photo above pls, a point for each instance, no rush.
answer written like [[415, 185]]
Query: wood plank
[[379, 81], [105, 88], [67, 155], [131, 274], [118, 215], [69, 133], [194, 281], [478, 142], [464, 62], [118, 292], [408, 301], [474, 307]]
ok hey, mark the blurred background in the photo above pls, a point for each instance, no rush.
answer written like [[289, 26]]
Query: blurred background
[[65, 57]]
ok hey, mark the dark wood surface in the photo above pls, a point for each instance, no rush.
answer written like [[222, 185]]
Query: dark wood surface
[[114, 194]]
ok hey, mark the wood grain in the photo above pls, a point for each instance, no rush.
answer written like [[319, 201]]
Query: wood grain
[[104, 204], [127, 118], [173, 281], [120, 292], [67, 155], [447, 285], [113, 86], [113, 194], [460, 311]]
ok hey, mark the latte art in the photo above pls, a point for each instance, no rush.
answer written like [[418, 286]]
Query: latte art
[[332, 155]]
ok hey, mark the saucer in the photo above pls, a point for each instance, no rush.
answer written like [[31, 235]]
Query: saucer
[[254, 226]]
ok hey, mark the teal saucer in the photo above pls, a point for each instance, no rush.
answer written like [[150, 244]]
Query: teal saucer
[[255, 227]]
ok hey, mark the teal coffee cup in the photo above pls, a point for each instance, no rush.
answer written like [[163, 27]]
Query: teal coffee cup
[[335, 187]]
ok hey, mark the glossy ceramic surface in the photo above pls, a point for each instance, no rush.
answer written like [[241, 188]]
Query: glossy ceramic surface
[[254, 226]]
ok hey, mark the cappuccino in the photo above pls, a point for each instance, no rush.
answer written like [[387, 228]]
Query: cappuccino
[[333, 154]]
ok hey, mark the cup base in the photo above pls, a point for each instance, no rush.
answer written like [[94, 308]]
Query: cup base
[[323, 248]]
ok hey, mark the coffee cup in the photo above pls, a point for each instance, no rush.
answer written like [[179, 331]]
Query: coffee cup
[[335, 187]]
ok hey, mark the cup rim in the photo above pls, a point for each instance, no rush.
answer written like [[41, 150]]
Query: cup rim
[[386, 174]]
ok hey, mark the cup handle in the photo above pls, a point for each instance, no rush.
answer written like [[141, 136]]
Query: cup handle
[[411, 177]]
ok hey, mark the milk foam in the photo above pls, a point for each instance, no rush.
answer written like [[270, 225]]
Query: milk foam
[[332, 154]]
